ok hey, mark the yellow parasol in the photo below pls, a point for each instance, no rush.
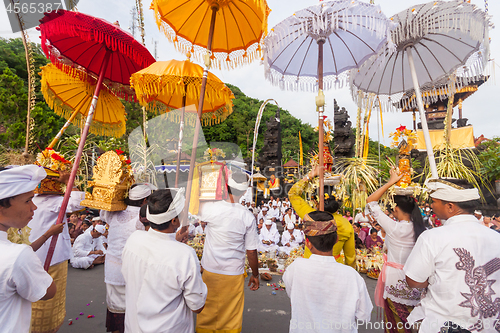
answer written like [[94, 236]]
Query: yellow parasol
[[239, 27], [174, 84], [69, 93]]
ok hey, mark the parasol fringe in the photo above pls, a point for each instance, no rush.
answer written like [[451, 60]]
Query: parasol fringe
[[57, 105], [207, 118], [148, 87], [306, 84], [67, 66]]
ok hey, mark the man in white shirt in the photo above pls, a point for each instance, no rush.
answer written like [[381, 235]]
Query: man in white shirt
[[459, 264], [200, 230], [121, 225], [22, 277], [263, 214], [88, 249], [308, 281], [269, 237], [289, 217], [163, 280], [291, 238], [479, 215], [274, 212], [231, 233]]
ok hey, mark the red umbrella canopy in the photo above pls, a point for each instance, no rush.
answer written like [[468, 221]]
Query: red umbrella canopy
[[85, 40]]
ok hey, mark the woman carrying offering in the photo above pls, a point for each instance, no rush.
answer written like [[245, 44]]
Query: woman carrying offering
[[392, 292]]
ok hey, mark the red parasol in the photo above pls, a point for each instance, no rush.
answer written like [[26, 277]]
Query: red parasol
[[100, 48]]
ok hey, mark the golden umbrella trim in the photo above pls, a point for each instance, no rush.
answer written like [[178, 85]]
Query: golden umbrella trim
[[111, 123]]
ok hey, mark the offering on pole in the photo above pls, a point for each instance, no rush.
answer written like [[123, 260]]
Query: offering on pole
[[112, 179]]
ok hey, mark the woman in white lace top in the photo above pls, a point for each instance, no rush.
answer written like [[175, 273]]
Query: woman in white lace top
[[393, 293]]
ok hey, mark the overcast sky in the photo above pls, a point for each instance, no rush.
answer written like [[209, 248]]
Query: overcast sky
[[481, 108]]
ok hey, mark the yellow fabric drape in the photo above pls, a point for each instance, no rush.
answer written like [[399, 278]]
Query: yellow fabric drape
[[462, 137], [345, 232], [194, 200]]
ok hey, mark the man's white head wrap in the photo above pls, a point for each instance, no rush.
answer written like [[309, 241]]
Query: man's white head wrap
[[242, 187], [264, 209], [20, 179], [100, 228], [175, 208], [444, 190], [478, 212], [141, 191], [269, 222], [275, 203], [290, 225], [96, 219]]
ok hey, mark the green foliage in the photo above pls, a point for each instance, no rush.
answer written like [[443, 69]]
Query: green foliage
[[490, 160], [14, 97]]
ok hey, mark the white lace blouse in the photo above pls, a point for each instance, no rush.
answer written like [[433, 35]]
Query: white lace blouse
[[399, 240]]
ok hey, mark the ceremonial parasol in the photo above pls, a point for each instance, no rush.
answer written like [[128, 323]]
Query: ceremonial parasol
[[233, 37], [173, 84], [70, 96], [443, 35], [313, 49], [102, 49]]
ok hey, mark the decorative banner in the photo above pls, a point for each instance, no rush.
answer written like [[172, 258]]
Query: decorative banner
[[460, 138]]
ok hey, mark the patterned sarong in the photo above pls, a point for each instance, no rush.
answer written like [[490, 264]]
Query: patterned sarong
[[395, 317], [48, 316], [223, 312]]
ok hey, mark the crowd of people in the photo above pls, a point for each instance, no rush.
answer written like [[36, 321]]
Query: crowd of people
[[441, 261]]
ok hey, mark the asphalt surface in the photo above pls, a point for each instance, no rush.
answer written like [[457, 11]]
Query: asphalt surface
[[264, 312]]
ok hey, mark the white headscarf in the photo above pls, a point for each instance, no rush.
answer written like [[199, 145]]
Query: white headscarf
[[141, 191], [20, 179], [100, 228], [447, 191], [237, 186], [175, 208]]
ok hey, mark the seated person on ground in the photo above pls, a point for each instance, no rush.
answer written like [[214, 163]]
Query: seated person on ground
[[88, 249], [269, 237], [291, 238]]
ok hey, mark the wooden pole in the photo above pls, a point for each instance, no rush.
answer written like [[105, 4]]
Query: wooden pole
[[63, 129], [423, 119], [320, 128], [192, 162], [76, 163]]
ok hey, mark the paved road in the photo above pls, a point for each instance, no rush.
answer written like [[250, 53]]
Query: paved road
[[264, 312]]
